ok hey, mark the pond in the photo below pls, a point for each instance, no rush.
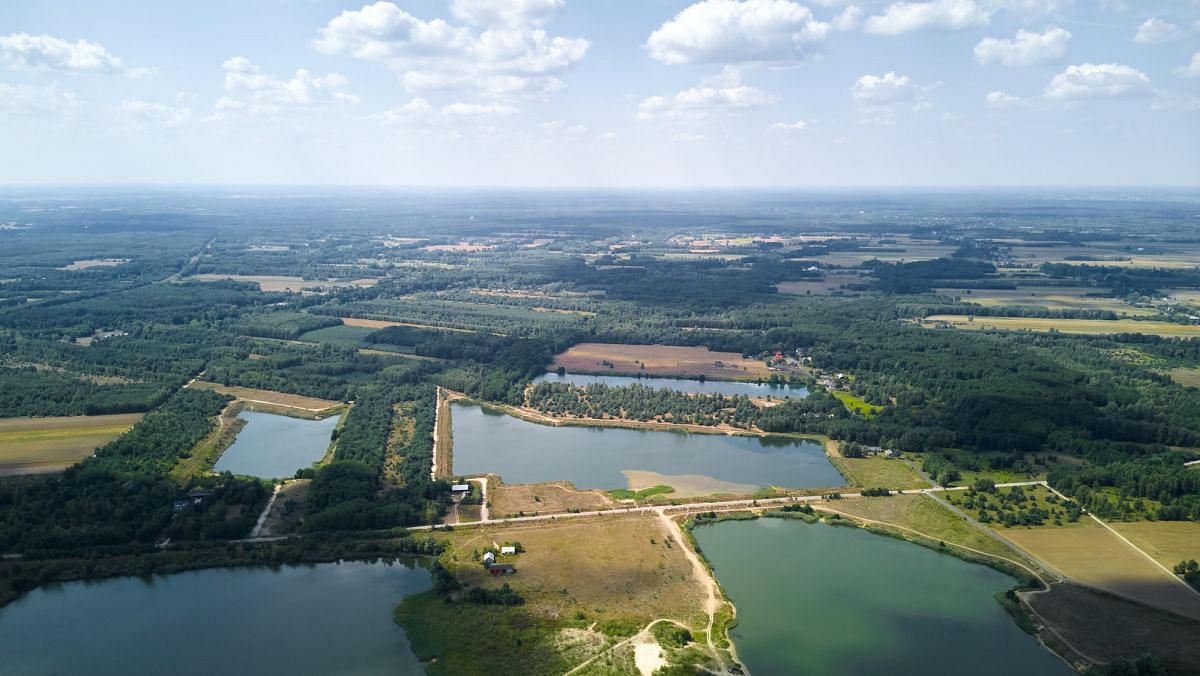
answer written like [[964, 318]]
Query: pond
[[297, 620], [272, 446], [608, 457], [819, 599], [726, 387]]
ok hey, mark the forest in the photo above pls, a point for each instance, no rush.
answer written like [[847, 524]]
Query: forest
[[126, 336]]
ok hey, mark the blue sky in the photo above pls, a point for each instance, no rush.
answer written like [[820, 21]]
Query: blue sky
[[602, 92]]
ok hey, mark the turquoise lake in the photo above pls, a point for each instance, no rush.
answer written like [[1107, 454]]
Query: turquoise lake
[[819, 599]]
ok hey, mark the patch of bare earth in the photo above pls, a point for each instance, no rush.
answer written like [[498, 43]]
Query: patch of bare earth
[[544, 498], [659, 360]]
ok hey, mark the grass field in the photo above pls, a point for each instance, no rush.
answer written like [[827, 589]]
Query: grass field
[[1188, 377], [1049, 297], [856, 404], [1169, 542], [659, 360], [825, 286], [89, 263], [37, 445], [543, 498], [1181, 255], [1091, 327], [912, 251], [342, 336], [270, 283], [381, 324], [1090, 554], [586, 584], [923, 514], [268, 398], [879, 472]]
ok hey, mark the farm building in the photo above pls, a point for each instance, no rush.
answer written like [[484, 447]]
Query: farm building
[[489, 558], [508, 549], [502, 569]]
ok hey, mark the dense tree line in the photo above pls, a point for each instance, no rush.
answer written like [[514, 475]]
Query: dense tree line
[[122, 495], [348, 495], [641, 402]]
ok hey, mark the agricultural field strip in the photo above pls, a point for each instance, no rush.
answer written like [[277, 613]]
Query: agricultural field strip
[[1077, 326], [237, 392], [1139, 550]]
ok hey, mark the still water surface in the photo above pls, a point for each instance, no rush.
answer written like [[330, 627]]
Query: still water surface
[[594, 457], [818, 599], [272, 446], [325, 619]]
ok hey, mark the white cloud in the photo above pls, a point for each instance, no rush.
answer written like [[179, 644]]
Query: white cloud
[[477, 109], [504, 59], [944, 15], [1192, 69], [1095, 81], [416, 109], [788, 127], [268, 92], [45, 52], [29, 100], [420, 110], [733, 31], [512, 13], [168, 116], [874, 90], [1025, 49], [848, 19], [999, 99], [722, 92], [1155, 30]]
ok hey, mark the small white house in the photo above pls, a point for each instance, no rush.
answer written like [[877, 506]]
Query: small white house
[[488, 558], [507, 549], [460, 488]]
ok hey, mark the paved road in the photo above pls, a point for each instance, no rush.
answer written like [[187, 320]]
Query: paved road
[[714, 506]]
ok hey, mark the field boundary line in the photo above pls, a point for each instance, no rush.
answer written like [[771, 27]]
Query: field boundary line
[[1137, 549]]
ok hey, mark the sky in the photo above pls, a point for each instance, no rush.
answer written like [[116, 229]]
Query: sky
[[602, 93]]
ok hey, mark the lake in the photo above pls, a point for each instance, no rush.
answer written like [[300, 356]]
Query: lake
[[818, 599], [272, 446], [726, 387], [603, 457], [299, 620]]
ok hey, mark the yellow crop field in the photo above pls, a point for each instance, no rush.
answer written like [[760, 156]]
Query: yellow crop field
[[1091, 327], [37, 445], [1050, 298], [659, 360], [1094, 556], [1169, 542], [270, 398], [271, 283]]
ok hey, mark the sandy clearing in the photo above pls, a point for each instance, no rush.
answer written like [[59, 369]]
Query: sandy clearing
[[686, 485]]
